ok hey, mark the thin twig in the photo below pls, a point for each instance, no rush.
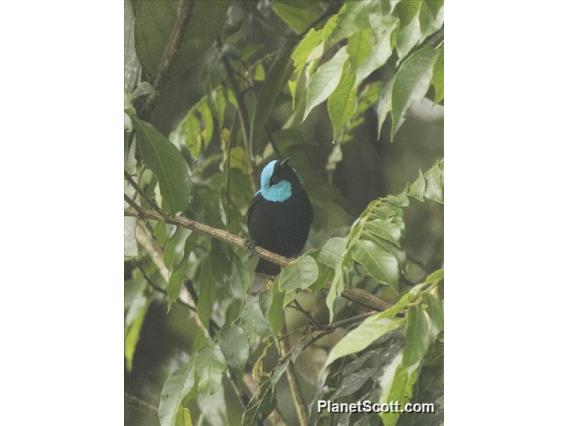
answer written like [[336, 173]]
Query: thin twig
[[166, 61], [299, 404], [358, 295], [296, 305], [139, 190], [244, 119], [216, 233], [141, 405]]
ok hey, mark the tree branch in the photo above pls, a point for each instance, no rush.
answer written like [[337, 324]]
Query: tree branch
[[216, 233], [355, 295]]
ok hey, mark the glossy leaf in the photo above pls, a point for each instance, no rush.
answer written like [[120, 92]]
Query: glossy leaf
[[163, 158]]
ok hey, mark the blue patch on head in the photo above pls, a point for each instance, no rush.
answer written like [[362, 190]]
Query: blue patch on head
[[279, 192]]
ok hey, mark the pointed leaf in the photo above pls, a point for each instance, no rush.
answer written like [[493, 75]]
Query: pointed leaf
[[163, 158]]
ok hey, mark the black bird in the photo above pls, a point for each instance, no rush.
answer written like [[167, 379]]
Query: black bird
[[280, 214]]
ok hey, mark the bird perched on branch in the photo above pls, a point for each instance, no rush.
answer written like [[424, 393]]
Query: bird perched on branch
[[280, 214]]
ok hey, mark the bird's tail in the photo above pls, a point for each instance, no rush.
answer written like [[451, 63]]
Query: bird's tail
[[266, 267]]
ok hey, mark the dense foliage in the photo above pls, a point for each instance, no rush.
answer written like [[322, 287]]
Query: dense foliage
[[215, 89]]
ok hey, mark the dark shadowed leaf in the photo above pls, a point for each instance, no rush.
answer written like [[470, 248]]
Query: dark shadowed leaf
[[298, 14], [155, 21]]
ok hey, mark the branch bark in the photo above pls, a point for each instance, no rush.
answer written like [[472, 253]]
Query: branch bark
[[216, 233], [358, 295]]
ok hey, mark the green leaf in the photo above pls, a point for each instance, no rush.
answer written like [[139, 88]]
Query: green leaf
[[384, 106], [179, 271], [397, 384], [368, 59], [272, 305], [261, 406], [235, 347], [332, 252], [186, 417], [388, 231], [325, 80], [132, 335], [417, 188], [207, 291], [438, 77], [417, 335], [311, 47], [411, 83], [196, 129], [378, 263], [209, 370], [301, 273], [409, 33], [363, 336], [297, 14], [163, 158], [352, 17], [435, 311], [175, 390], [435, 183], [342, 102], [155, 21], [336, 288]]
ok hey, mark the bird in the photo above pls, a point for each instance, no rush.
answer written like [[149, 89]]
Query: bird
[[280, 214]]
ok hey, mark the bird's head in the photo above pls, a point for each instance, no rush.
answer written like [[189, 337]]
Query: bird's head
[[278, 181]]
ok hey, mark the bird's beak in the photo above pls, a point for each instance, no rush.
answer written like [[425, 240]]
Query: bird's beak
[[283, 162]]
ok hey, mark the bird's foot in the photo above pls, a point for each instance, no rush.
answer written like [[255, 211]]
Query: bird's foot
[[250, 245]]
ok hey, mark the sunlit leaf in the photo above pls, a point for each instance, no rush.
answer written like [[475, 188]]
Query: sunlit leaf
[[411, 83], [325, 80]]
